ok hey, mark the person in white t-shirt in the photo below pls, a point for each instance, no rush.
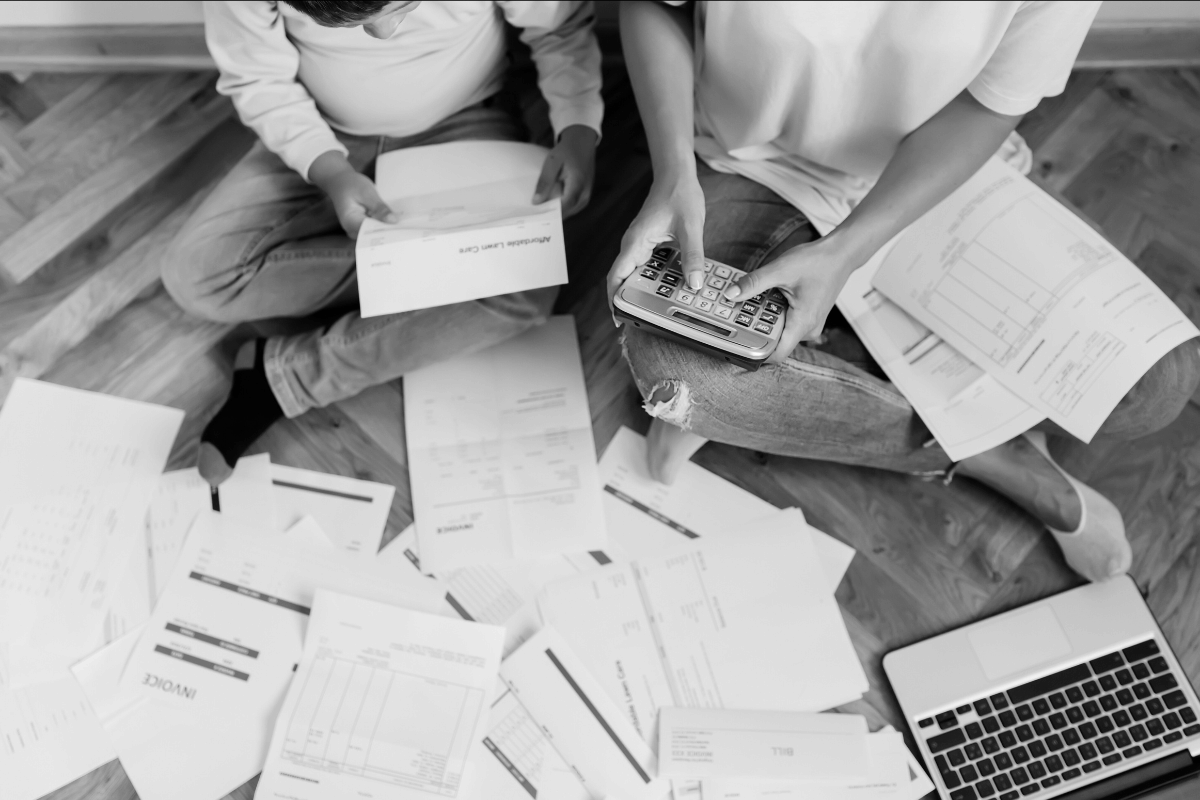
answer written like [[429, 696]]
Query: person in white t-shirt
[[864, 115], [328, 86]]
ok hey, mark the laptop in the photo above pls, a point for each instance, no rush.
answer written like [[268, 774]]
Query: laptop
[[1076, 696]]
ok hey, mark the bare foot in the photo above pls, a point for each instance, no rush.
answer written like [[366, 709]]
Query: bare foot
[[668, 448], [1086, 525]]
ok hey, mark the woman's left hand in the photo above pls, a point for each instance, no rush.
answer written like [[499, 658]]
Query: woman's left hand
[[810, 276], [569, 169]]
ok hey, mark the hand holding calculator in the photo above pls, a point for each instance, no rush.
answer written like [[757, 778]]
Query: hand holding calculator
[[656, 298]]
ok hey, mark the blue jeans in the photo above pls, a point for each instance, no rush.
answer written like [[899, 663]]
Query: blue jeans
[[267, 244], [816, 404]]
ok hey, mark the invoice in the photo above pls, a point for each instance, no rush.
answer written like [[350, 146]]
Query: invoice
[[467, 227], [1026, 290], [387, 703], [501, 456]]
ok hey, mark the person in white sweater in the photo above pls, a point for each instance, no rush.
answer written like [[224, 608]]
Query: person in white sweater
[[329, 86]]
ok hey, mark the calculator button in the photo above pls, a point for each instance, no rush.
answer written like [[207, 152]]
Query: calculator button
[[724, 272], [743, 320], [664, 291], [717, 283], [725, 301], [654, 263], [749, 309], [670, 280], [709, 266], [686, 298], [768, 318], [723, 312], [663, 252], [704, 305], [649, 273], [709, 293], [774, 308], [763, 328]]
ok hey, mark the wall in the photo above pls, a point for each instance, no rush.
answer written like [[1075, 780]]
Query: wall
[[1132, 12]]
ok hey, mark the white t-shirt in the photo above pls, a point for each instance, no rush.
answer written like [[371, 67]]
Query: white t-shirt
[[820, 94]]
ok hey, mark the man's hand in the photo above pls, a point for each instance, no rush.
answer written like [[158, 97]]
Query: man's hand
[[673, 210], [569, 170], [810, 276], [353, 194]]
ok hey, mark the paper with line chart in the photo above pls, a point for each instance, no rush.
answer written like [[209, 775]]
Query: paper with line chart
[[1031, 294], [387, 703], [501, 456]]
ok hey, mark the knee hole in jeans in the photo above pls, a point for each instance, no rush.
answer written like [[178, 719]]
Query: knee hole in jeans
[[670, 401]]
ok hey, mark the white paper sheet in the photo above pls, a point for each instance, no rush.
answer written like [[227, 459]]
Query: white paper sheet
[[353, 513], [501, 456], [48, 738], [229, 629], [965, 409], [518, 761], [77, 471], [586, 728], [645, 517], [1026, 290], [497, 594], [245, 496], [467, 227], [773, 745], [387, 703], [895, 775], [718, 623]]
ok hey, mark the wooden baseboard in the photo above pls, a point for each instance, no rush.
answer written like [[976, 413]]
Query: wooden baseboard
[[101, 48], [127, 48], [1127, 46]]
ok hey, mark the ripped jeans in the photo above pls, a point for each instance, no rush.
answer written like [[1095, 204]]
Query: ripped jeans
[[816, 404]]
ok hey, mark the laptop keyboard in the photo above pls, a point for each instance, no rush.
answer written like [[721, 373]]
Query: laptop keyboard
[[1053, 731]]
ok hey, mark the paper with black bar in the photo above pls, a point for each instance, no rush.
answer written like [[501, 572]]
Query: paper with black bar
[[387, 703], [230, 626], [353, 513], [577, 716]]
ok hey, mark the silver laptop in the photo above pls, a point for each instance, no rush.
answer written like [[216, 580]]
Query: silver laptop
[[1076, 696]]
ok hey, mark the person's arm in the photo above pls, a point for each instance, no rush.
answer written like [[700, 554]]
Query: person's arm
[[659, 53], [258, 67], [930, 163], [567, 58]]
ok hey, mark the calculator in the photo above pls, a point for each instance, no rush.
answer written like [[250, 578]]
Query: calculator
[[655, 298]]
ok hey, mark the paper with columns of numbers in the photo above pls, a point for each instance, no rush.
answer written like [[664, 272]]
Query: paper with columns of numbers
[[467, 227], [966, 409], [387, 703], [77, 471], [728, 622], [500, 451], [1031, 294], [230, 626]]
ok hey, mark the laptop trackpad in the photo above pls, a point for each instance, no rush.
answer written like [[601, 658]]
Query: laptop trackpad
[[1018, 642]]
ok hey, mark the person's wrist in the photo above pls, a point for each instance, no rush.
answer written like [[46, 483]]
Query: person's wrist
[[328, 169], [848, 248]]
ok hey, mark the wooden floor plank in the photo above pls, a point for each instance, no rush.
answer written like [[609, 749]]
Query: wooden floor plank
[[78, 159], [73, 115], [91, 201]]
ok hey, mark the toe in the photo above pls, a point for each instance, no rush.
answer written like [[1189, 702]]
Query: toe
[[212, 465]]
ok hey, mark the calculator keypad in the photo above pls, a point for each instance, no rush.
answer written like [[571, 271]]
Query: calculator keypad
[[761, 313]]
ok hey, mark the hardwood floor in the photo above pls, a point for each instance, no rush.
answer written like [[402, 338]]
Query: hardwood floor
[[98, 171]]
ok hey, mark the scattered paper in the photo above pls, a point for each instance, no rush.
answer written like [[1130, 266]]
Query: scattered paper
[[719, 623], [1027, 291], [967, 410], [387, 703], [181, 495], [352, 512], [49, 736], [230, 626], [775, 745], [77, 471], [518, 762], [646, 517], [467, 227], [501, 456], [586, 728]]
